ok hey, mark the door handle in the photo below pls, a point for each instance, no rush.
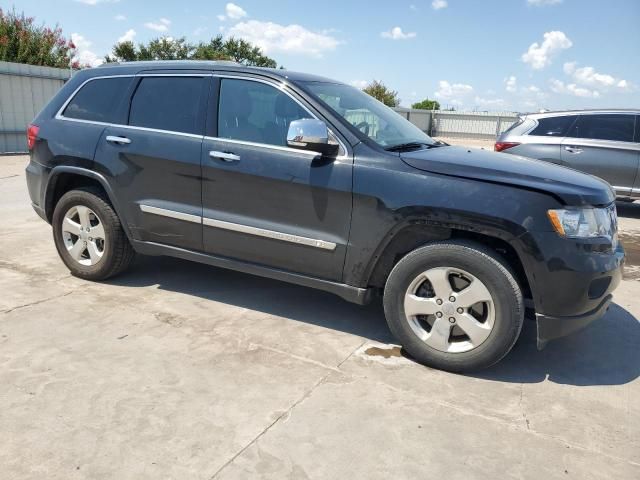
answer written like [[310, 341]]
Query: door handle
[[226, 156], [573, 149], [118, 140]]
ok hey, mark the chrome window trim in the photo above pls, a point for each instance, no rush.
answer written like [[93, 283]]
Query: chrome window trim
[[272, 82], [60, 116], [265, 145], [237, 227], [284, 88], [187, 217]]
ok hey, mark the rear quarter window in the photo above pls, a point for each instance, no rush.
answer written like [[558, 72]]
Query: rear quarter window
[[554, 126], [98, 100]]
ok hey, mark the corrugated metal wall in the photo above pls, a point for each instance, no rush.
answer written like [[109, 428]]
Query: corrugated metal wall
[[24, 90]]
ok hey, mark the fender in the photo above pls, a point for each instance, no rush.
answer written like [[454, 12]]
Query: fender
[[55, 173]]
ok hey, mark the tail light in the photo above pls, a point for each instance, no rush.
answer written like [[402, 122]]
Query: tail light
[[501, 146], [32, 134]]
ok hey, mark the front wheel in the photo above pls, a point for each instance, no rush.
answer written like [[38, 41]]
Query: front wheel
[[454, 306]]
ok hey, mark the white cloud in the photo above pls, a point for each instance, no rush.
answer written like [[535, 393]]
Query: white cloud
[[589, 77], [542, 3], [455, 94], [160, 26], [396, 33], [559, 86], [359, 83], [539, 55], [128, 36], [233, 12], [272, 37], [490, 102], [120, 17], [510, 84], [439, 4], [82, 54]]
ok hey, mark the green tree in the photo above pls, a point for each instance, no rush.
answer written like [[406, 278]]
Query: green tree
[[23, 42], [217, 48], [427, 104], [381, 92]]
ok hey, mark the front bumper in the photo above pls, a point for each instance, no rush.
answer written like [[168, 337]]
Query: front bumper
[[550, 328], [573, 283]]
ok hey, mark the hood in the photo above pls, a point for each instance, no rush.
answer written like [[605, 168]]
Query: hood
[[572, 187]]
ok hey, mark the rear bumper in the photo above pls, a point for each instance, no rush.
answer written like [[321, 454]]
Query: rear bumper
[[37, 176]]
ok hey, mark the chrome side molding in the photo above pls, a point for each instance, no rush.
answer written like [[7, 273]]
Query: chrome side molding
[[240, 228]]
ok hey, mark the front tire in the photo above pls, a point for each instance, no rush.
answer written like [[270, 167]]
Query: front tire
[[454, 306], [89, 236]]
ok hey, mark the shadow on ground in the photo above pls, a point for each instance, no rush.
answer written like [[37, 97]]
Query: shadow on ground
[[605, 353]]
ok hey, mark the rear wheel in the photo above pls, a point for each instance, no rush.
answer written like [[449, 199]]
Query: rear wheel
[[454, 306], [89, 236]]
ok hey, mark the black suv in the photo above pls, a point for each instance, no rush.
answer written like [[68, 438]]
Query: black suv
[[307, 180]]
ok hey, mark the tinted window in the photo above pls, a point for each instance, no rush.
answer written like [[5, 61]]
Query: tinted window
[[637, 139], [167, 103], [554, 126], [256, 112], [98, 100], [604, 127]]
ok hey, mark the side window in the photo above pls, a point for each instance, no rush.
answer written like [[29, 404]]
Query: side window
[[637, 139], [256, 112], [605, 127], [98, 100], [167, 103], [554, 126]]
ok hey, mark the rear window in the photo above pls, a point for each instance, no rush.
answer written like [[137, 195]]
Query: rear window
[[554, 126], [604, 127], [515, 124], [167, 103], [98, 100]]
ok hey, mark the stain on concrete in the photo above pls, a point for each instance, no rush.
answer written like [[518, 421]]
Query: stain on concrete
[[384, 352]]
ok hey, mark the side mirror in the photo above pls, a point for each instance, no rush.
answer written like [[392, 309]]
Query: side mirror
[[313, 135]]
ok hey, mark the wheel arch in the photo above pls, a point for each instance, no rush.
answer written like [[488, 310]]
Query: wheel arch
[[413, 235], [64, 178]]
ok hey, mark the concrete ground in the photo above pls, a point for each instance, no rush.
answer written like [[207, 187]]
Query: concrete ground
[[179, 370]]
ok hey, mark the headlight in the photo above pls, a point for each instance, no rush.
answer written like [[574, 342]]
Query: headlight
[[584, 222]]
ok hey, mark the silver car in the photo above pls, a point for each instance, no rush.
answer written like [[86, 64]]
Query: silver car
[[604, 143]]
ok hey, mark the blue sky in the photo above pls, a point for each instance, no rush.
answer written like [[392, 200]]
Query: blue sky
[[472, 54]]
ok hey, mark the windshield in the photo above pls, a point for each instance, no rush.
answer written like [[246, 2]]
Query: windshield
[[377, 121]]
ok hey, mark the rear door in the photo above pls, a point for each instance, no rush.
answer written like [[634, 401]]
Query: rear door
[[155, 158], [264, 202], [602, 145]]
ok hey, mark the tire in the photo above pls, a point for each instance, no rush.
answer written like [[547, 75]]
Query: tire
[[101, 258], [476, 335]]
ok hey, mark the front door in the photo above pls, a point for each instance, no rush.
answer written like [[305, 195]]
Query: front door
[[602, 145], [264, 202]]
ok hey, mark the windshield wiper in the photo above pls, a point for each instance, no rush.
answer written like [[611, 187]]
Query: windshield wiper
[[411, 146]]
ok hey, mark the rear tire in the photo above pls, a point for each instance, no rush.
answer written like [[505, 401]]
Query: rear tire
[[89, 236], [454, 306]]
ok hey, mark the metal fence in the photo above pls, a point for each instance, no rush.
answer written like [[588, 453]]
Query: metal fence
[[452, 124], [24, 90]]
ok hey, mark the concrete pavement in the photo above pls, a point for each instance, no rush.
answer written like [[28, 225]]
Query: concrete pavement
[[180, 370]]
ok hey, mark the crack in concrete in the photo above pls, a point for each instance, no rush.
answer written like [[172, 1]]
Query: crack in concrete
[[37, 302], [287, 412]]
